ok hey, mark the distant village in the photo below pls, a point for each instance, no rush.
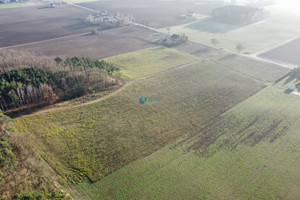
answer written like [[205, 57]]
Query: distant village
[[108, 19]]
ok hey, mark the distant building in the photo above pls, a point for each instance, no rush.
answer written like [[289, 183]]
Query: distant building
[[110, 19], [292, 87], [95, 32], [191, 14]]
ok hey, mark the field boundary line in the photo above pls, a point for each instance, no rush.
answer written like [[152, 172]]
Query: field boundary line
[[48, 40], [59, 38], [75, 5]]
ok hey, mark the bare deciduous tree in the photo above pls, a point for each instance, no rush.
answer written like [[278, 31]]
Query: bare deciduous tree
[[239, 47], [214, 42]]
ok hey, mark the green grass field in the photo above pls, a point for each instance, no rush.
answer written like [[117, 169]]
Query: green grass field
[[257, 37], [249, 152], [145, 62], [97, 139]]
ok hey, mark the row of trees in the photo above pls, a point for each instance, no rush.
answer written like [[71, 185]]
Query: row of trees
[[239, 15], [77, 62], [13, 59]]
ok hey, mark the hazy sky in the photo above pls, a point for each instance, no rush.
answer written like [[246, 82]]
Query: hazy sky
[[290, 5]]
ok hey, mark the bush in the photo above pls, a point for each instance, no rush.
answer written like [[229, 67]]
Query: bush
[[1, 176], [3, 161], [6, 154], [39, 195], [4, 143]]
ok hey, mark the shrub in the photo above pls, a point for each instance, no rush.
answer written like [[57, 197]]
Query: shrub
[[6, 154], [39, 195], [1, 176], [3, 161]]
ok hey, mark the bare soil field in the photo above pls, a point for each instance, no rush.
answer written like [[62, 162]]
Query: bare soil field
[[36, 23], [287, 53], [157, 14], [106, 43]]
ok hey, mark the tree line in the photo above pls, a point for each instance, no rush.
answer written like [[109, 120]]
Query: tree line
[[239, 15], [13, 59], [78, 62], [27, 86], [19, 87]]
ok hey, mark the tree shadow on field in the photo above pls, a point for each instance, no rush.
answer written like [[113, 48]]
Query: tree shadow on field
[[210, 26], [229, 56], [45, 7], [79, 24], [287, 91], [200, 51], [291, 78]]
